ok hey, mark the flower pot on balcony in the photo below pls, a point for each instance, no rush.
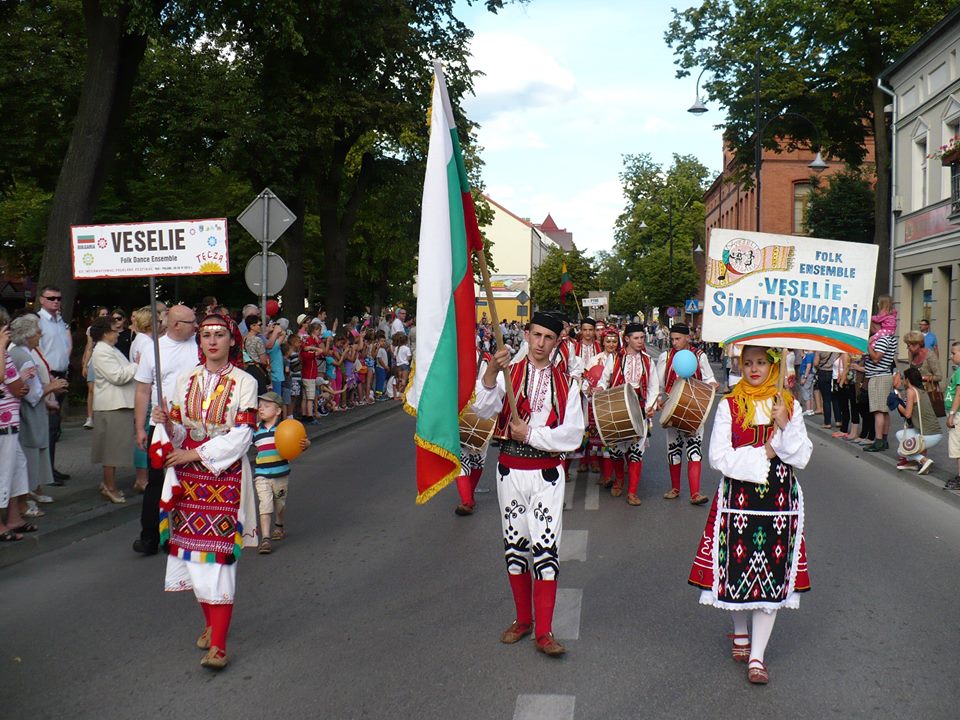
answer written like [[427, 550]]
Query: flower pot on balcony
[[951, 158]]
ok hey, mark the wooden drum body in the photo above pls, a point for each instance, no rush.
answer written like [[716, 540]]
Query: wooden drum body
[[475, 432], [687, 405], [619, 415]]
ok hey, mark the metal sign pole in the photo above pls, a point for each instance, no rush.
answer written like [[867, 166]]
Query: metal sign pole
[[265, 245], [156, 345]]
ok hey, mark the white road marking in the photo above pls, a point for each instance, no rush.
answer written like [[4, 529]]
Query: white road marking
[[592, 501], [544, 707], [573, 545], [566, 614]]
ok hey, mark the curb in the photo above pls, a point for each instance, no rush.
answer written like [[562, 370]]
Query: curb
[[85, 514]]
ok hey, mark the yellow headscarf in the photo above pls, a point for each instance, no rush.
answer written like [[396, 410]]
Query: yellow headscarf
[[747, 396]]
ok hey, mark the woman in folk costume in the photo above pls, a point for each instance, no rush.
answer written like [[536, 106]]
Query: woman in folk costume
[[633, 366], [752, 558], [471, 462], [530, 473], [611, 462], [207, 512]]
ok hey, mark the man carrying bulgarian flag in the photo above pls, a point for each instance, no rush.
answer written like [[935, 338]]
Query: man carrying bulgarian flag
[[445, 367]]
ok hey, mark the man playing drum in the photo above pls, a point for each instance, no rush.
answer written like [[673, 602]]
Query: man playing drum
[[678, 440], [634, 366], [530, 474], [586, 348]]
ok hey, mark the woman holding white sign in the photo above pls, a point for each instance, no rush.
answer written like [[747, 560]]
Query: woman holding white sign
[[751, 557]]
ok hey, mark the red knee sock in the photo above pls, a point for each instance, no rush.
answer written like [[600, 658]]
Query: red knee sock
[[465, 488], [544, 600], [219, 624], [635, 468], [206, 614], [522, 597], [693, 476], [475, 477], [606, 469], [675, 477], [618, 469]]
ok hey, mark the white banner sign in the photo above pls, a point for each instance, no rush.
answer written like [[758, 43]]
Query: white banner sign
[[788, 291], [176, 247]]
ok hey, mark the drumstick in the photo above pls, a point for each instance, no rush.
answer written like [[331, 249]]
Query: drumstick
[[485, 274]]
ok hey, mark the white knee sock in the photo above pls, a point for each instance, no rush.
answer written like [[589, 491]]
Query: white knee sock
[[740, 627], [762, 628]]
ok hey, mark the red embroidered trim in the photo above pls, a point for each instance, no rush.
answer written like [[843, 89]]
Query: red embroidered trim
[[246, 417]]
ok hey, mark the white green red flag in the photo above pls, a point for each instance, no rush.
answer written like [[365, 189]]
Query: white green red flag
[[445, 368]]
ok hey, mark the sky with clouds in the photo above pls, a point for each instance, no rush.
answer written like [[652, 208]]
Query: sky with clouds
[[569, 88]]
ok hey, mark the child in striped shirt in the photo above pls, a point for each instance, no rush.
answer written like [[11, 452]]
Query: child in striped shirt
[[271, 472]]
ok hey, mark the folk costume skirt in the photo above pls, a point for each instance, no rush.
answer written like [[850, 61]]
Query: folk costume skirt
[[752, 554]]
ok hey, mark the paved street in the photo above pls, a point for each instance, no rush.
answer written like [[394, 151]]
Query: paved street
[[378, 608]]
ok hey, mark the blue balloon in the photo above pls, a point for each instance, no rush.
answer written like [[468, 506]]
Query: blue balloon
[[685, 363]]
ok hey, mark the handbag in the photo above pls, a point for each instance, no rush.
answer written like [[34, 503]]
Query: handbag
[[914, 444], [936, 399]]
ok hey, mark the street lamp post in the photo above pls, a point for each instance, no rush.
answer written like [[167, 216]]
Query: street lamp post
[[817, 164]]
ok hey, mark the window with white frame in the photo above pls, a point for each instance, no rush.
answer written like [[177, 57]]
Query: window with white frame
[[801, 201], [951, 130], [919, 166]]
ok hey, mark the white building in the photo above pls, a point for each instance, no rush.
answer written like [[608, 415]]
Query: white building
[[925, 242]]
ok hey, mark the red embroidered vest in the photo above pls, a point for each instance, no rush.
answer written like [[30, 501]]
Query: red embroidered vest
[[752, 435], [618, 378], [559, 390]]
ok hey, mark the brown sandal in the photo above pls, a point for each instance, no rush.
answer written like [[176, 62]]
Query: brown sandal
[[758, 674], [203, 642], [515, 633], [671, 494], [739, 653]]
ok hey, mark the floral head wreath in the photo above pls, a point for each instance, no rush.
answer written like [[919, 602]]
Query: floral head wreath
[[774, 354]]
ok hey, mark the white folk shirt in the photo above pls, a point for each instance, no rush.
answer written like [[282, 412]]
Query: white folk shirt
[[55, 342], [566, 437], [750, 464], [633, 374]]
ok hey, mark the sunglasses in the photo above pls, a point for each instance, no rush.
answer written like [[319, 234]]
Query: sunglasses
[[117, 318], [52, 298]]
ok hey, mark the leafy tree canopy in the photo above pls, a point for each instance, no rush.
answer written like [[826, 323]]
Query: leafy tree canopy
[[545, 283], [843, 208]]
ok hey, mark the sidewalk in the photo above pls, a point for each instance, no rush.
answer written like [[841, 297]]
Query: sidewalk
[[943, 468], [79, 510]]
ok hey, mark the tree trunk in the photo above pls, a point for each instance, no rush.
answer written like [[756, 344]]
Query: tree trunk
[[112, 62], [294, 292], [882, 200]]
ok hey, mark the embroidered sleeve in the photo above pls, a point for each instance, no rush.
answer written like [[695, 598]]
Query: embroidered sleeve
[[489, 402], [246, 417], [749, 464]]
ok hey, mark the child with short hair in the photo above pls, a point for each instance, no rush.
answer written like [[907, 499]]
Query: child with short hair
[[271, 472]]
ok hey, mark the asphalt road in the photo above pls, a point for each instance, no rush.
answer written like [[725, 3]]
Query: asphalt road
[[378, 608]]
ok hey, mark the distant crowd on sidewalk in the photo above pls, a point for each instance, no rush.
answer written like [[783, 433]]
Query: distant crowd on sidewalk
[[313, 368]]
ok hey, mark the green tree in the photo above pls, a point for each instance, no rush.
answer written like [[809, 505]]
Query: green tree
[[843, 209], [820, 60], [663, 218], [545, 283]]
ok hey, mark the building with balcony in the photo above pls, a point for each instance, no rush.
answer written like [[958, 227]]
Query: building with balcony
[[517, 249], [925, 183]]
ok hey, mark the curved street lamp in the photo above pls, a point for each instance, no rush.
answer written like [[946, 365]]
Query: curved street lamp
[[698, 108]]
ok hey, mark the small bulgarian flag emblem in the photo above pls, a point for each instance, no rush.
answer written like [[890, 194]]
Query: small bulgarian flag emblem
[[86, 242], [566, 284]]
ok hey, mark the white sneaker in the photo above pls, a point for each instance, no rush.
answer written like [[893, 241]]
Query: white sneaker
[[33, 511], [40, 498], [88, 425], [925, 468]]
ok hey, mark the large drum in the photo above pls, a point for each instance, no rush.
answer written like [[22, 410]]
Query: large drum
[[619, 415], [687, 405], [475, 432]]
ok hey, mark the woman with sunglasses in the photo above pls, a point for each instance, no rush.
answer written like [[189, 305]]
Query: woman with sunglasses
[[124, 335]]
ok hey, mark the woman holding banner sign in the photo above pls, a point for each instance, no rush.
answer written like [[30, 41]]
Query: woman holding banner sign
[[751, 557]]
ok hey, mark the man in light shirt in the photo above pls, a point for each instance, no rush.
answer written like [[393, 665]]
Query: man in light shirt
[[178, 354], [398, 325], [55, 346]]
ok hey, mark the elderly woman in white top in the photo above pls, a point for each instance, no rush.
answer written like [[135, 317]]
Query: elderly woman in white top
[[112, 407], [34, 419]]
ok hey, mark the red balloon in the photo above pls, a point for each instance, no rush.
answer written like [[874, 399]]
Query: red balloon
[[273, 308]]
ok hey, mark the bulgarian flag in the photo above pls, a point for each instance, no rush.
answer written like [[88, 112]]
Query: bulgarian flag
[[445, 368], [566, 284]]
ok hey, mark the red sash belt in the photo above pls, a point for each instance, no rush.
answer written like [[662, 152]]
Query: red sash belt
[[520, 463]]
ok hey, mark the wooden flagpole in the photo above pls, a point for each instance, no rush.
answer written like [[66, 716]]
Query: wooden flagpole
[[488, 289]]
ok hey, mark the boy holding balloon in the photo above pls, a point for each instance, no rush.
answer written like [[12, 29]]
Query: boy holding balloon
[[276, 443]]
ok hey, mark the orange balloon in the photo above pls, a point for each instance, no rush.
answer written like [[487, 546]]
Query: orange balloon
[[287, 437]]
